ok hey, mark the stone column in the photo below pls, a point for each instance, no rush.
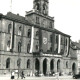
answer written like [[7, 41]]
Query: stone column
[[41, 66], [33, 66], [48, 66], [55, 65]]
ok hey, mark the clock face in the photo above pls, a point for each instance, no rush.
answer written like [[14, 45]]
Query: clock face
[[44, 40]]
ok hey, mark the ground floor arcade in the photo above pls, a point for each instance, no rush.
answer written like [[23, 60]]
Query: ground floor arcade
[[43, 64]]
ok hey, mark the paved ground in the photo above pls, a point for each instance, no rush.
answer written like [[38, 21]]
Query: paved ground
[[7, 77]]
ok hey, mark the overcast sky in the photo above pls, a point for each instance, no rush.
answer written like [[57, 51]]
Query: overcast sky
[[66, 13]]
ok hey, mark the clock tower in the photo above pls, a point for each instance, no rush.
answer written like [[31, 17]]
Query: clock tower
[[41, 6]]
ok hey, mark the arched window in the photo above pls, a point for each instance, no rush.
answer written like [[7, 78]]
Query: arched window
[[67, 64], [50, 49], [37, 20], [66, 42], [29, 33], [51, 38], [19, 62], [9, 28], [50, 26], [44, 6], [28, 48], [19, 47], [8, 43], [38, 7], [61, 41], [37, 47], [19, 32], [57, 39], [8, 63], [37, 33], [28, 63]]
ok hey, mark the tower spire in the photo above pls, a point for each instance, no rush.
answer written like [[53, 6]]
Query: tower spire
[[41, 6], [10, 5]]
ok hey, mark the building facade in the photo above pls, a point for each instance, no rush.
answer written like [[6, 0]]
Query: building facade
[[31, 43]]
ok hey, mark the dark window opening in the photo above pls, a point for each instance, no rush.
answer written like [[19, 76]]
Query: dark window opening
[[8, 63], [37, 47], [61, 41], [37, 20], [19, 62], [38, 7], [51, 38], [28, 48], [19, 47], [66, 64], [62, 52], [50, 25], [28, 63], [19, 32], [29, 33], [37, 33], [8, 43], [9, 28], [66, 42], [57, 39], [51, 49], [44, 6]]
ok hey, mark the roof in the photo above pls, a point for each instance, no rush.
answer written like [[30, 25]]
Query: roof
[[75, 45], [59, 32], [22, 20]]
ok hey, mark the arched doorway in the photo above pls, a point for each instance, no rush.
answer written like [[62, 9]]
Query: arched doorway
[[58, 66], [52, 65], [37, 64], [74, 68], [44, 66]]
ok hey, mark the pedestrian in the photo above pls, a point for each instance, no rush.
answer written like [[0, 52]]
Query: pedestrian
[[12, 75], [22, 75]]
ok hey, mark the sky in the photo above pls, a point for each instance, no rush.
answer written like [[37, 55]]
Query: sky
[[66, 13]]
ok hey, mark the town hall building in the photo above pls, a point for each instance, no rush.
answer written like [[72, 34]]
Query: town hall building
[[31, 43]]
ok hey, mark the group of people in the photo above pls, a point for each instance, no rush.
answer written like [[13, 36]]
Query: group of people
[[13, 75]]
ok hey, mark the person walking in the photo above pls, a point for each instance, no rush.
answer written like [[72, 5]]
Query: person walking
[[22, 75], [12, 75]]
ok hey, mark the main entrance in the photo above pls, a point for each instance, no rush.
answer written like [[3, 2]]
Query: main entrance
[[44, 66], [58, 66], [74, 68], [52, 65], [37, 65]]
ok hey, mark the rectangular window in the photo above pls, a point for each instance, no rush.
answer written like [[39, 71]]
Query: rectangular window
[[50, 26], [37, 20], [56, 39]]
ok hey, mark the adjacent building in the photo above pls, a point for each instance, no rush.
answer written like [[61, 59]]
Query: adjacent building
[[31, 43]]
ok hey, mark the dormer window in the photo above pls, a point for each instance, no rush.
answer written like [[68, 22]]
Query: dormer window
[[9, 28], [19, 31], [29, 33]]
